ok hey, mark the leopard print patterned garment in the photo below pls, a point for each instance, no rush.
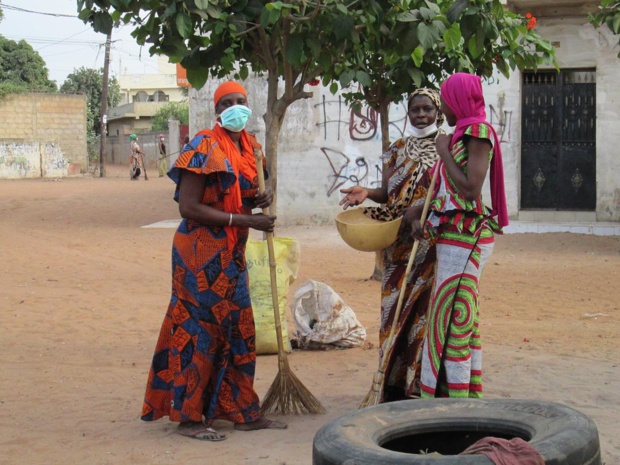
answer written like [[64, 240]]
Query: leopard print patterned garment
[[409, 158]]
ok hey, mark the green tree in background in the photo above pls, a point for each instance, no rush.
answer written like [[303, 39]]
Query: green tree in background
[[171, 110], [22, 69], [295, 42], [418, 43], [609, 14], [89, 81], [292, 43]]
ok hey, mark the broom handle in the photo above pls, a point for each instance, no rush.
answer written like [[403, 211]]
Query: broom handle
[[403, 286], [272, 260]]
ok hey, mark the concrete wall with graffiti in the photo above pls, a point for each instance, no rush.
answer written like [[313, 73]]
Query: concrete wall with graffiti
[[42, 135], [325, 146]]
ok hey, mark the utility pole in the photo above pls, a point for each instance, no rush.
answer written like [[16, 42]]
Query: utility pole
[[104, 105]]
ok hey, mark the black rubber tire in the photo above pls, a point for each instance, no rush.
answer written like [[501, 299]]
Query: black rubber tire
[[563, 436]]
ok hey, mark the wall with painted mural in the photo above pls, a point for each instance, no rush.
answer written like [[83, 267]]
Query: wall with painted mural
[[42, 135]]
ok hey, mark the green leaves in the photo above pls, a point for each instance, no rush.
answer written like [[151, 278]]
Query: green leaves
[[363, 78], [197, 76], [427, 35], [102, 22], [184, 25], [202, 4], [417, 56], [452, 37], [456, 10], [294, 49], [609, 14]]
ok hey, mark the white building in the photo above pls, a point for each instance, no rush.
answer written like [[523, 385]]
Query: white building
[[559, 131]]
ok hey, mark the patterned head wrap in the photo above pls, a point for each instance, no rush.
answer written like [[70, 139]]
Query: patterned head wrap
[[414, 156], [435, 98]]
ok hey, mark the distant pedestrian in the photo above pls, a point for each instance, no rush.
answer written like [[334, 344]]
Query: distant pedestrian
[[163, 164], [136, 160]]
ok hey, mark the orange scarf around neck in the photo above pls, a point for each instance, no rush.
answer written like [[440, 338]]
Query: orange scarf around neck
[[243, 163]]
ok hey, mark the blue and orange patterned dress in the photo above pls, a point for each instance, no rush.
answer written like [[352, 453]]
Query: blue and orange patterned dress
[[205, 357]]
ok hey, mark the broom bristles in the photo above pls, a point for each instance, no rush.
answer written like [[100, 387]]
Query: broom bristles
[[373, 397], [287, 395]]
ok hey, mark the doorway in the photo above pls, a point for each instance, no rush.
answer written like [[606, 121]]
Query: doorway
[[558, 155]]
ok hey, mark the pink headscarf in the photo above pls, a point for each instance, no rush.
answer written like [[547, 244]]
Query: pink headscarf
[[462, 92]]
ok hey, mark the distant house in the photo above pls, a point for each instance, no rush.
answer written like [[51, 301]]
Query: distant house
[[141, 96]]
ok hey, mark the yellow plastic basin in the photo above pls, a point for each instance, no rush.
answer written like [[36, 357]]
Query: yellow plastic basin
[[364, 233]]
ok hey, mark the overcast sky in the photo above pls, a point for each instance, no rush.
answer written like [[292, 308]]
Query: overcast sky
[[66, 43]]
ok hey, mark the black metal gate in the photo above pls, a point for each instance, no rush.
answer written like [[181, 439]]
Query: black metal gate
[[558, 156]]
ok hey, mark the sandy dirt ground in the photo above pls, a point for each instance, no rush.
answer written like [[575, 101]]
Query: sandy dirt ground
[[84, 290]]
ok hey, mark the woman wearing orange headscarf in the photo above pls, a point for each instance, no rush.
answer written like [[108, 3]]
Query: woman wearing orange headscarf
[[205, 358]]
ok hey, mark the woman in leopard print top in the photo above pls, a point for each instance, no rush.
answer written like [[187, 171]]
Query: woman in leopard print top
[[405, 182]]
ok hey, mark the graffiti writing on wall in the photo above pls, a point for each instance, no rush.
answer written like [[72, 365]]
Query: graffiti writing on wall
[[363, 123], [350, 171], [16, 160], [501, 119], [54, 159]]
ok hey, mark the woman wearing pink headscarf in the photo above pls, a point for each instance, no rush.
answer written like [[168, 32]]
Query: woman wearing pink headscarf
[[464, 228]]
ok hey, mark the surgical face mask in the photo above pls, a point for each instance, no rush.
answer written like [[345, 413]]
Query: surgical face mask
[[419, 133], [235, 118]]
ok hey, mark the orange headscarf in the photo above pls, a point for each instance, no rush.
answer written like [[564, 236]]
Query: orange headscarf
[[228, 87]]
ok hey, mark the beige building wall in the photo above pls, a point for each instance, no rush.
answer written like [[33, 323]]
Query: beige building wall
[[42, 135], [137, 87]]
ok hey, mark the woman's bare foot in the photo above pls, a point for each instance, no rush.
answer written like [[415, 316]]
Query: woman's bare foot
[[261, 423], [198, 430]]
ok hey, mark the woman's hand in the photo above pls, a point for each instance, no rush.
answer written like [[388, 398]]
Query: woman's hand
[[263, 200], [442, 143], [262, 222], [411, 222], [355, 196]]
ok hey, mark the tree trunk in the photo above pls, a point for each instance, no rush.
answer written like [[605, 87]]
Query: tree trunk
[[272, 136], [273, 117], [384, 108], [384, 120]]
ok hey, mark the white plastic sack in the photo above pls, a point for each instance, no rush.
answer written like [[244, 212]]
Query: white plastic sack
[[322, 317]]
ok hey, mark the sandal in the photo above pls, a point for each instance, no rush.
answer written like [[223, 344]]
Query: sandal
[[261, 423], [199, 431]]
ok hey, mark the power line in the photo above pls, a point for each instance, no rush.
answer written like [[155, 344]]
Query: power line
[[23, 10], [49, 42]]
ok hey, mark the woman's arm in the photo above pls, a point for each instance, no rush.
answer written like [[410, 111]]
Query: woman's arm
[[468, 184], [191, 191], [357, 194]]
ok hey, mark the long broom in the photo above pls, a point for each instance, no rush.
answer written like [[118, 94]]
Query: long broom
[[287, 395], [378, 381]]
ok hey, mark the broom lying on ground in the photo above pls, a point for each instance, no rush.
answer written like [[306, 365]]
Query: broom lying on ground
[[287, 395], [373, 396]]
